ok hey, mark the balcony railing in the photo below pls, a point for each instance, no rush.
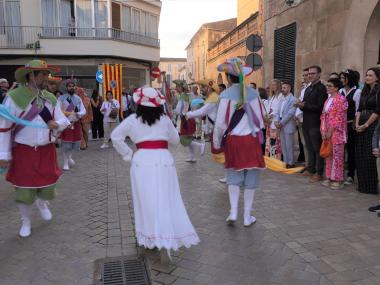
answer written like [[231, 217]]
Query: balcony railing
[[22, 37]]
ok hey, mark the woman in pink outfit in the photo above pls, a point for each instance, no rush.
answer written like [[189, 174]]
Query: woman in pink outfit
[[334, 127]]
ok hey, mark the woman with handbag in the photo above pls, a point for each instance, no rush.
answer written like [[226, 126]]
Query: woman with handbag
[[110, 110], [367, 118], [334, 135]]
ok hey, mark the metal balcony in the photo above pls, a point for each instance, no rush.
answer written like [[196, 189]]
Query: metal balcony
[[22, 37]]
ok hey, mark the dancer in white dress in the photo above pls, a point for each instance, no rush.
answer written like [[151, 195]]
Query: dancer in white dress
[[161, 219]]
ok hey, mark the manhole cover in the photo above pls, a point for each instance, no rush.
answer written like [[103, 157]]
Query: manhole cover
[[123, 272]]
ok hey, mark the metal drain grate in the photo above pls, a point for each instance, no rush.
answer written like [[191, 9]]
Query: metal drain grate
[[124, 272]]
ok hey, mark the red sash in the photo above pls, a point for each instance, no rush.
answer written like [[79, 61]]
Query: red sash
[[152, 145]]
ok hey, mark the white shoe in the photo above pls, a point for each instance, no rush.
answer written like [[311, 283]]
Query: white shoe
[[231, 219], [26, 228], [71, 162], [223, 180], [103, 146], [66, 167], [42, 205], [203, 147], [249, 221]]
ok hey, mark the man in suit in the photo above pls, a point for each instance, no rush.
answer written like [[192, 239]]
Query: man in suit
[[286, 124], [312, 106]]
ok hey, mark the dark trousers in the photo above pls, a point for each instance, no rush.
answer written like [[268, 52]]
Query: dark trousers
[[301, 156], [265, 138], [350, 146], [97, 127], [313, 140]]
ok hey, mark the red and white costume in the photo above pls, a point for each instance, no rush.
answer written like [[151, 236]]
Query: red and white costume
[[31, 150], [237, 130], [161, 219]]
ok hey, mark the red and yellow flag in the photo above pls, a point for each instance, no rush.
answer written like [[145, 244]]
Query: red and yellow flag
[[113, 81]]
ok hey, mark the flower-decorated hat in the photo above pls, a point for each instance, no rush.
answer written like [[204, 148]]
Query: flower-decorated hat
[[209, 82], [235, 66], [148, 97], [31, 66], [181, 83]]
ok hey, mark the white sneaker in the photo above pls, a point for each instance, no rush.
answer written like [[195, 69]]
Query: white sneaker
[[71, 162], [231, 219], [104, 146], [66, 167], [223, 180], [42, 205], [249, 221], [203, 147], [26, 228]]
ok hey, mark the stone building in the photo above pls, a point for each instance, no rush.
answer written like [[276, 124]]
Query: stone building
[[233, 44], [207, 35], [335, 34]]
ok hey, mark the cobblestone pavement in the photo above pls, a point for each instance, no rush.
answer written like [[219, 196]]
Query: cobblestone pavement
[[305, 234]]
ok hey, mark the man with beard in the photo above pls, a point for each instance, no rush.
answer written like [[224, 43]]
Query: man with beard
[[4, 85], [29, 152], [74, 109]]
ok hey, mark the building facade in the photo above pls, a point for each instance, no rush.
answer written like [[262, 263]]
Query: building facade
[[233, 44], [80, 35], [207, 35], [174, 68], [335, 34]]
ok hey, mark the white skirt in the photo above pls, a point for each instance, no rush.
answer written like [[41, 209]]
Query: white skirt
[[161, 219]]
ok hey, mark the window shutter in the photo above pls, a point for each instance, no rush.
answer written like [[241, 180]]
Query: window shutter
[[285, 53]]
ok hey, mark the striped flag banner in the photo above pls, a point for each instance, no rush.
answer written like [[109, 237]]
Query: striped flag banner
[[113, 81]]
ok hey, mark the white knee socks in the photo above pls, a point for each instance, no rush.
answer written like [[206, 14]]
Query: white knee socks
[[191, 153], [233, 192], [249, 195], [25, 229], [65, 161]]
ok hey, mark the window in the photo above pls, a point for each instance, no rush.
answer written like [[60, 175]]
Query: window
[[285, 53], [84, 17], [135, 21], [2, 19], [169, 67], [153, 26], [50, 18], [67, 17], [12, 16], [126, 19], [142, 23], [116, 20], [101, 17]]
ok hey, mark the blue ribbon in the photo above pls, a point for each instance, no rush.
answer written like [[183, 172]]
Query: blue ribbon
[[197, 102], [6, 114]]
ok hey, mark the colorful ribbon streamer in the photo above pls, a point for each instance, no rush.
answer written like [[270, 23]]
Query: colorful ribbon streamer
[[6, 114]]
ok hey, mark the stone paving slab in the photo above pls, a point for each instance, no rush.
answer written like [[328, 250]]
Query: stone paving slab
[[305, 234]]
